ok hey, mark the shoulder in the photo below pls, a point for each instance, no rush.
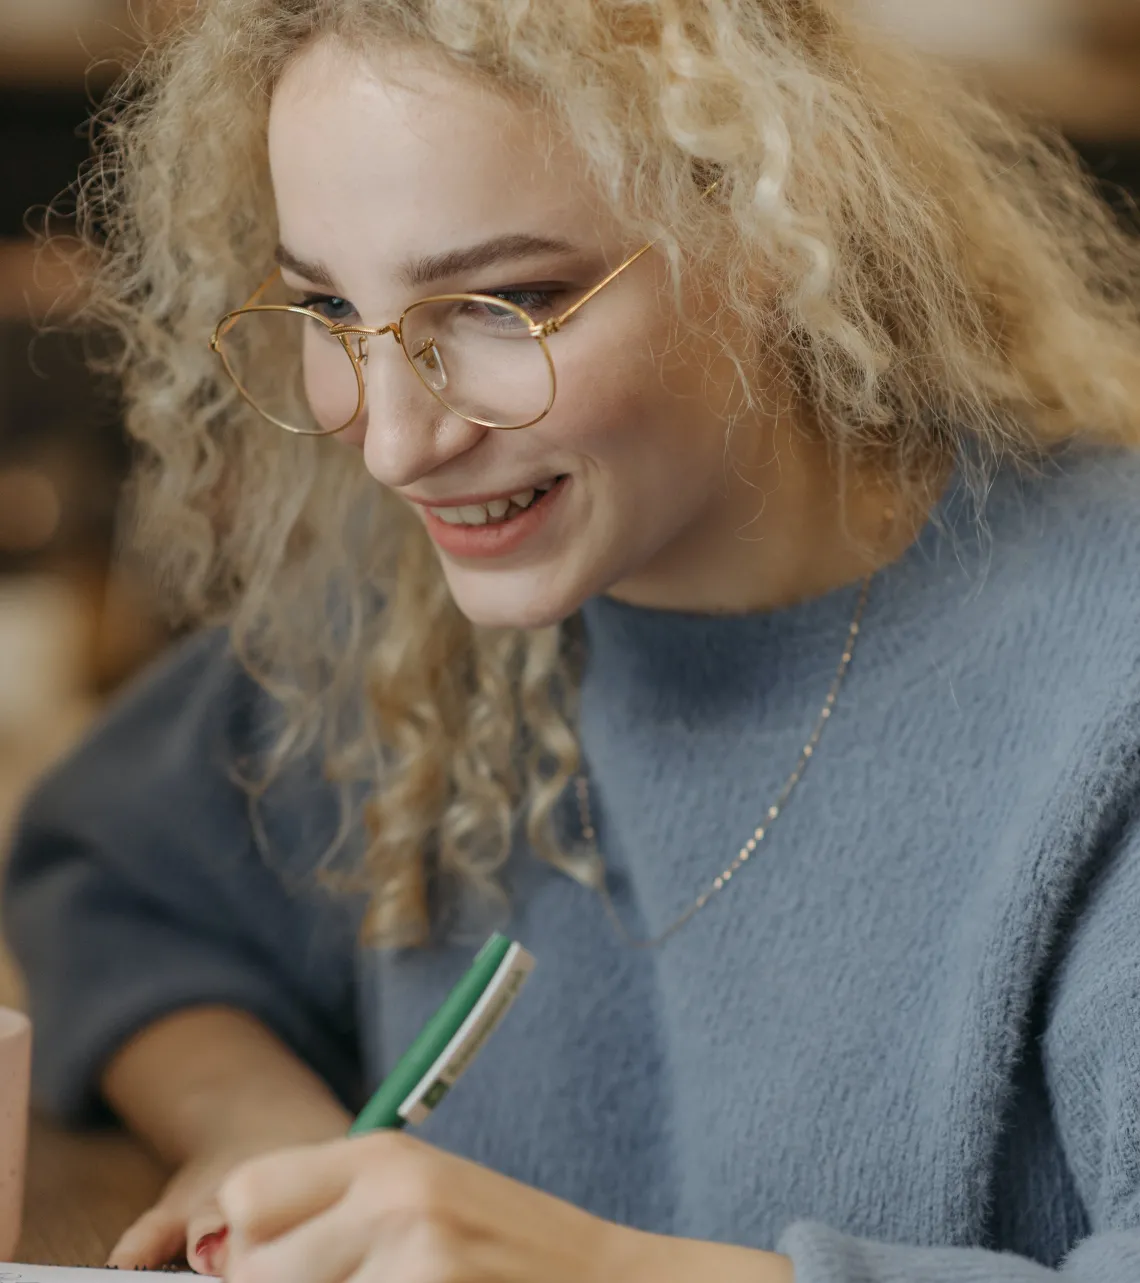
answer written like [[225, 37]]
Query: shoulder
[[160, 752], [1059, 548], [195, 702], [1024, 599], [1090, 498], [1053, 622], [187, 747]]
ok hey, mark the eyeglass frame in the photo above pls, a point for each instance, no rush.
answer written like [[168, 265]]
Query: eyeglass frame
[[539, 331]]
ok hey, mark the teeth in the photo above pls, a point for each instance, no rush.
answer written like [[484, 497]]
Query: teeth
[[479, 514]]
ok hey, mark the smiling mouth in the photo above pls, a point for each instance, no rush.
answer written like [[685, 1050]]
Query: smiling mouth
[[495, 512]]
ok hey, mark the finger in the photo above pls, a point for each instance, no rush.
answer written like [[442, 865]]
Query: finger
[[269, 1196], [327, 1249], [208, 1249], [206, 1234], [155, 1239]]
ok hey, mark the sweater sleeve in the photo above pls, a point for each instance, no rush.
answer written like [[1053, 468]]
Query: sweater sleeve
[[135, 888], [1091, 1051]]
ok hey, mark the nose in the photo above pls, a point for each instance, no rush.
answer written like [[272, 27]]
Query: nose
[[405, 432]]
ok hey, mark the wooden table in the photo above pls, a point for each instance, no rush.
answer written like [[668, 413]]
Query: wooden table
[[82, 1192]]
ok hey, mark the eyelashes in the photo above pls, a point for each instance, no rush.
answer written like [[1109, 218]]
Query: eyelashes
[[533, 300], [330, 306]]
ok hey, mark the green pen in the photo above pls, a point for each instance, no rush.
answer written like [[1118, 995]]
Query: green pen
[[442, 1050], [450, 1040]]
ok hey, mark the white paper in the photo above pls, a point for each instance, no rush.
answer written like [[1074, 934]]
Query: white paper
[[12, 1273]]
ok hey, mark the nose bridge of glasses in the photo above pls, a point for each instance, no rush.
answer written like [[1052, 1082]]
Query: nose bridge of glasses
[[362, 333], [366, 331]]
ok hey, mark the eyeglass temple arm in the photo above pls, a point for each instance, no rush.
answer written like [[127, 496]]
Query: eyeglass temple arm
[[560, 320], [231, 319], [551, 326], [265, 284]]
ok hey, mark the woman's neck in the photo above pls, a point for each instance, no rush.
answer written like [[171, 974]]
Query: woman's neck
[[787, 528]]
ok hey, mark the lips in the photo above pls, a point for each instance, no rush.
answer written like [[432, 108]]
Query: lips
[[464, 534]]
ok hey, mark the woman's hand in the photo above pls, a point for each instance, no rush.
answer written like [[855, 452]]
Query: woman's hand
[[208, 1089], [186, 1220], [387, 1208]]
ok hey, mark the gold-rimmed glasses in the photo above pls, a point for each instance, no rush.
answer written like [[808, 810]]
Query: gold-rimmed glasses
[[483, 356]]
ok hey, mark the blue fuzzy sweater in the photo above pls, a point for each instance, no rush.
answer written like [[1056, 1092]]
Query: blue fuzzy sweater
[[903, 1046]]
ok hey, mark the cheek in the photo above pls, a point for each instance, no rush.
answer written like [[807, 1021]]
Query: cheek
[[639, 413], [331, 386]]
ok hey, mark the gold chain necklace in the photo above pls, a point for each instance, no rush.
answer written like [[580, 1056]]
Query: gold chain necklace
[[594, 875]]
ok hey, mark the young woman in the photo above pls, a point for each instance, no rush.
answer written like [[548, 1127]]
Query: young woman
[[660, 473]]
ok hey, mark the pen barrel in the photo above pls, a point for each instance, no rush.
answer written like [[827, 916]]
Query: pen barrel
[[450, 1040]]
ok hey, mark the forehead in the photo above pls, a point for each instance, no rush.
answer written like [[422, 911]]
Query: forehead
[[413, 157]]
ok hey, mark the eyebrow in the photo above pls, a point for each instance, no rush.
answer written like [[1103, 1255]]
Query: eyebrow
[[315, 272], [499, 249], [439, 267]]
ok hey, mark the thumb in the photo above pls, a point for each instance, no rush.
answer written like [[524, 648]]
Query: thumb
[[206, 1241], [155, 1239]]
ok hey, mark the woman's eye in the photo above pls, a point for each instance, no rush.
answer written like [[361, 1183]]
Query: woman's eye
[[537, 304], [338, 310], [534, 302]]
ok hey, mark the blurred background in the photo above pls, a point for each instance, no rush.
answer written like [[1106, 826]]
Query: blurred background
[[74, 624]]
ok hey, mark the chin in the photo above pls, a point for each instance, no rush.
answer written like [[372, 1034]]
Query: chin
[[500, 599]]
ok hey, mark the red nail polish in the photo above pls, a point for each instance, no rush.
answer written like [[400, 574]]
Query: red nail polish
[[209, 1245]]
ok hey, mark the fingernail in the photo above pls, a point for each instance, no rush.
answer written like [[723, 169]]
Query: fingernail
[[208, 1247]]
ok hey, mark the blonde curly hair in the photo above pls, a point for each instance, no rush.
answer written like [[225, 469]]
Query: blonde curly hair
[[935, 272]]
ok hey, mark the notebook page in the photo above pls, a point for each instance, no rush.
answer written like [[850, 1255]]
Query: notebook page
[[13, 1273]]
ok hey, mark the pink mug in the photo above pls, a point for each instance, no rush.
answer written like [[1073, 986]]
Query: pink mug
[[15, 1074]]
